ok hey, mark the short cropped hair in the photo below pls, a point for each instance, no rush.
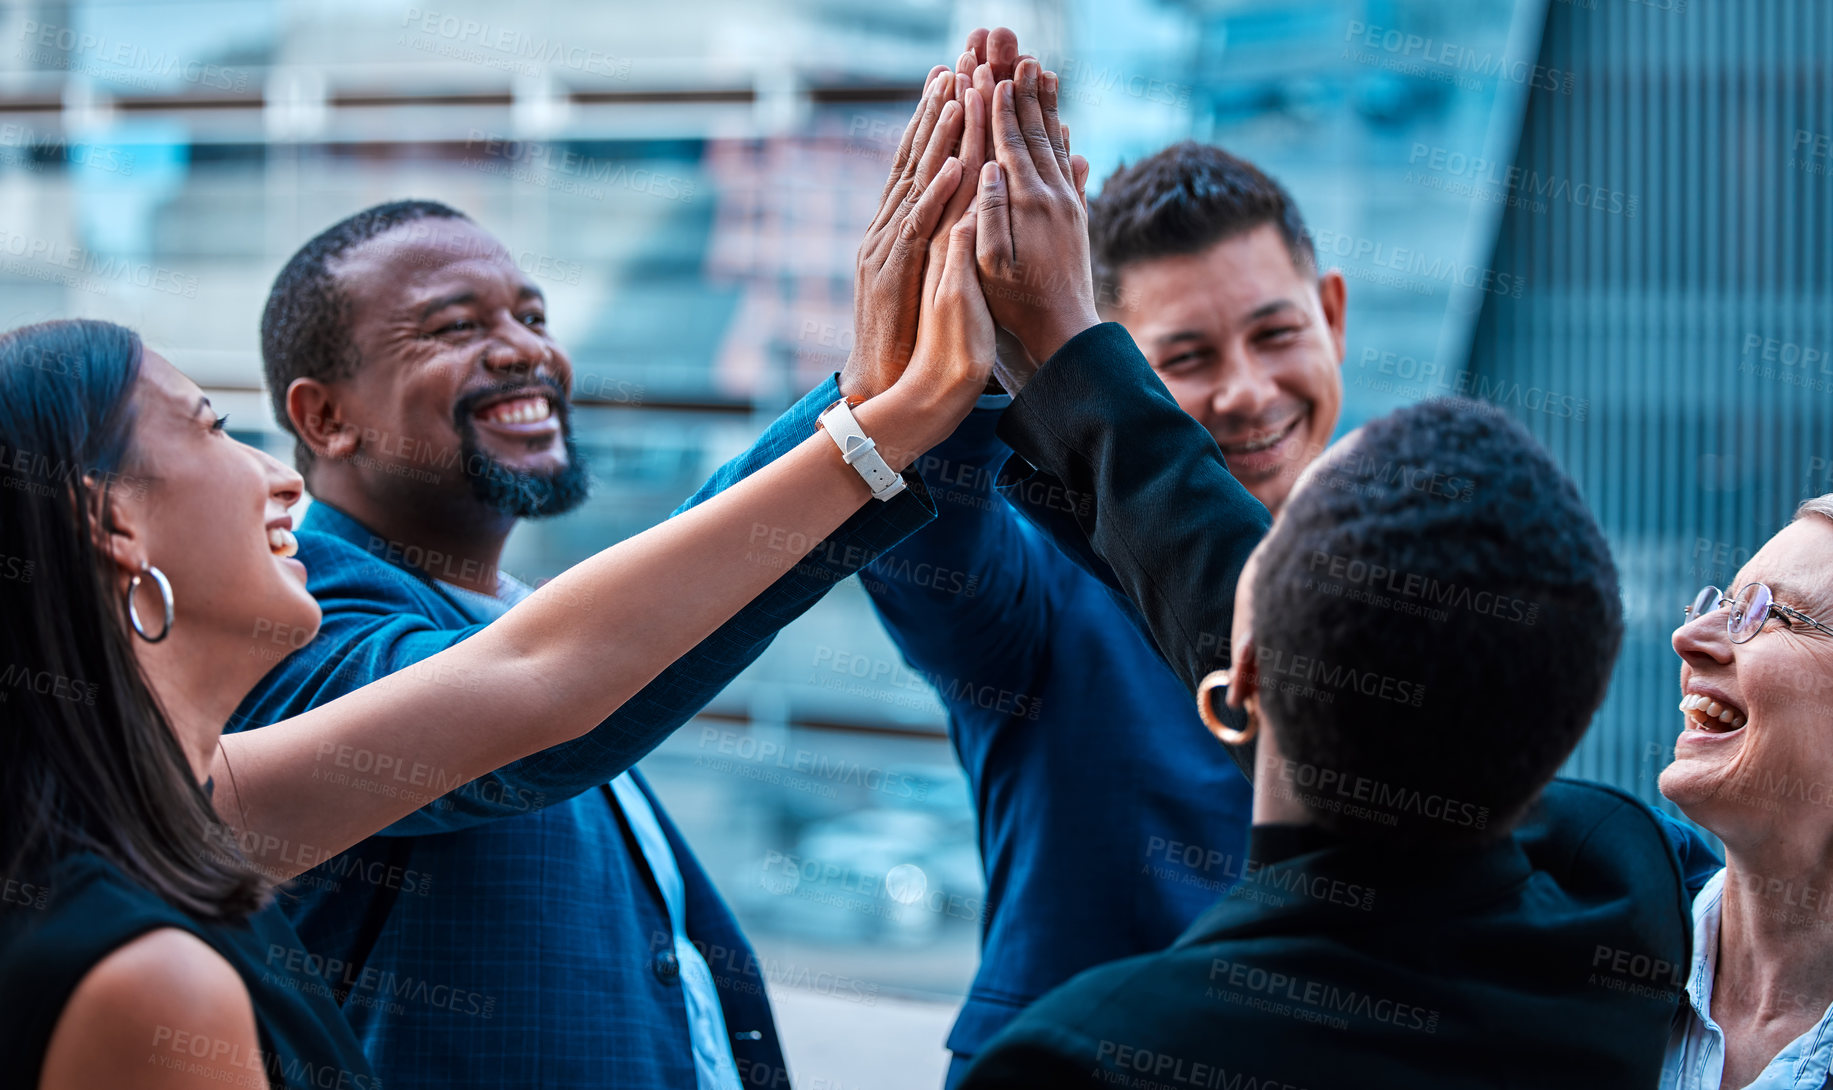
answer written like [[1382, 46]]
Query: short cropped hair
[[1436, 615], [1182, 200], [1821, 505], [305, 328]]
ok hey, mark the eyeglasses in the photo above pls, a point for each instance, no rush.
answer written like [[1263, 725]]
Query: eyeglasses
[[1751, 609]]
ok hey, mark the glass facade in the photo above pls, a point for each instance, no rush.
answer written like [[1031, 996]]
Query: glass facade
[[1673, 239]]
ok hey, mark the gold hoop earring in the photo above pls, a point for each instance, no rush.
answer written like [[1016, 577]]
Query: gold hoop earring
[[1227, 735]]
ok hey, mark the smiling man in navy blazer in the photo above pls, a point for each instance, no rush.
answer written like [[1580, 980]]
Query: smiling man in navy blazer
[[1108, 819], [545, 925]]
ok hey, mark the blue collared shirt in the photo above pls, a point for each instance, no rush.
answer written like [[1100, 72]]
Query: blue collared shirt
[[714, 1067], [1696, 1054]]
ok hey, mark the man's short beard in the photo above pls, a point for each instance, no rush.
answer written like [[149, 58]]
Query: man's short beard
[[514, 492], [521, 494]]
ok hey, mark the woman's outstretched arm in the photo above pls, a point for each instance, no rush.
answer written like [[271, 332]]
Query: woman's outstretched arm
[[548, 671]]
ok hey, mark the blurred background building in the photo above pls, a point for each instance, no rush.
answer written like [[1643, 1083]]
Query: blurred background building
[[1676, 285], [1609, 217]]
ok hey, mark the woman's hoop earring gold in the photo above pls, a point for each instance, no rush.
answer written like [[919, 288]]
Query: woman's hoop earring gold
[[165, 597], [1218, 679]]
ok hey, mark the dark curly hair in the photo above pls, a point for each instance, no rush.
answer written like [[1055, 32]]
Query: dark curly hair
[[1183, 200], [305, 328], [1436, 616]]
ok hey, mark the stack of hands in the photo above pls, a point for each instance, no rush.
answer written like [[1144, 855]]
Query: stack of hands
[[979, 247]]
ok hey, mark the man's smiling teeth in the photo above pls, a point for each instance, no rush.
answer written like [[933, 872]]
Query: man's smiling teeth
[[1268, 440], [281, 542], [1710, 714], [523, 410]]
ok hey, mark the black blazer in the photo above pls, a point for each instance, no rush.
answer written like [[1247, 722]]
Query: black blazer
[[1554, 957]]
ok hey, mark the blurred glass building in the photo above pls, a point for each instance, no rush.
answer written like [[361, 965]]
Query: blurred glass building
[[688, 182], [1670, 218]]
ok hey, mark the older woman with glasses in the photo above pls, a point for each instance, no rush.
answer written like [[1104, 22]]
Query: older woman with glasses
[[1753, 766]]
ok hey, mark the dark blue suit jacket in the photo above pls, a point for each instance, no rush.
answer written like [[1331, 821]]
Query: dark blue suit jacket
[[508, 933], [1514, 963], [1109, 819]]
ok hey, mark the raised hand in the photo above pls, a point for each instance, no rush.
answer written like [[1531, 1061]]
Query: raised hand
[[888, 276], [1033, 225], [972, 155], [954, 352]]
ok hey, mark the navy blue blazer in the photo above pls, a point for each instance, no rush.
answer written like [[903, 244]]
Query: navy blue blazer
[[508, 932], [1109, 819], [1525, 962]]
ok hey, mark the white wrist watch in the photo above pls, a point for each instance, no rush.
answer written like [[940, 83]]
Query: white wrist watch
[[859, 450]]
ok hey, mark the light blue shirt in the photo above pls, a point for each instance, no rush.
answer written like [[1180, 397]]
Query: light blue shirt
[[714, 1066], [1696, 1052]]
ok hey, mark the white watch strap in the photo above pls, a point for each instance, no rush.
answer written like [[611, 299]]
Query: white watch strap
[[861, 452]]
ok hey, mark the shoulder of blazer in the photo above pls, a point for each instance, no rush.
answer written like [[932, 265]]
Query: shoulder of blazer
[[1582, 808], [1156, 1003], [1580, 827]]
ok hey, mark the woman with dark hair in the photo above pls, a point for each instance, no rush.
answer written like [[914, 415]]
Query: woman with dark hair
[[141, 549]]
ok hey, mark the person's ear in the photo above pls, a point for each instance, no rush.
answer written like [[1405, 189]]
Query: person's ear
[[318, 418], [1332, 292], [116, 524], [1243, 673], [1243, 661]]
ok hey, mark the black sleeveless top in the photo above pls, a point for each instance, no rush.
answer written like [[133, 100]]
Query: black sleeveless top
[[52, 934]]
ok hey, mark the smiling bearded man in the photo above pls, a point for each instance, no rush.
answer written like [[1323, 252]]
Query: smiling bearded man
[[471, 420], [549, 926]]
